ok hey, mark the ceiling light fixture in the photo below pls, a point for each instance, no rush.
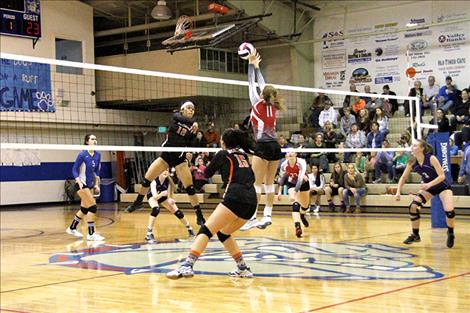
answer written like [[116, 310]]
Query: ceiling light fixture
[[161, 11]]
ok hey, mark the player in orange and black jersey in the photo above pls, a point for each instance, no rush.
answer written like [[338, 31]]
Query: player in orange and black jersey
[[238, 205]]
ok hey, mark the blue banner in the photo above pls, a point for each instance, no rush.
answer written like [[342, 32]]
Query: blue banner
[[25, 86], [440, 144]]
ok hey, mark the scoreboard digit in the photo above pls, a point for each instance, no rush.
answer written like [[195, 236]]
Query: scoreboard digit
[[21, 18]]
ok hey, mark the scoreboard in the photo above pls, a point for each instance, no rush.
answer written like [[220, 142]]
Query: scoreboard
[[21, 18]]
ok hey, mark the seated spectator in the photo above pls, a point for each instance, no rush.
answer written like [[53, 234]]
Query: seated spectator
[[316, 107], [198, 173], [335, 187], [431, 94], [374, 138], [442, 122], [320, 159], [357, 105], [382, 120], [316, 181], [331, 139], [328, 114], [461, 110], [367, 100], [300, 143], [346, 121], [384, 163], [354, 186], [449, 94], [363, 121], [362, 164], [376, 103], [464, 172], [199, 141], [392, 102], [347, 100], [355, 139], [189, 159], [400, 160], [211, 136], [454, 150], [416, 91]]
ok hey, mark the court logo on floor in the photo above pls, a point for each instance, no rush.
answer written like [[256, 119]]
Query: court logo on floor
[[267, 257]]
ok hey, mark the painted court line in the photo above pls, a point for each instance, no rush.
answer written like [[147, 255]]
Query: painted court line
[[9, 310], [384, 293]]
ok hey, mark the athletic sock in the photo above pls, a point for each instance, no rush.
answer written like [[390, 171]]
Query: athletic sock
[[91, 228], [76, 220], [191, 258], [238, 258], [416, 231]]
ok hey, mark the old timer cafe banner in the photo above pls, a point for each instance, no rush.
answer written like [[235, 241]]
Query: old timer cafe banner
[[25, 86]]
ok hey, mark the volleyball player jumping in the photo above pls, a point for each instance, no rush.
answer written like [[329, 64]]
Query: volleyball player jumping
[[86, 171], [238, 204], [434, 183], [180, 134], [161, 191], [294, 175], [267, 151]]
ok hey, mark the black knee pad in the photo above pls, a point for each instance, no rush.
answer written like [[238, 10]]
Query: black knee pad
[[179, 214], [155, 211], [296, 207], [190, 190], [450, 214], [93, 209], [146, 183], [222, 237], [84, 210], [423, 199], [204, 230]]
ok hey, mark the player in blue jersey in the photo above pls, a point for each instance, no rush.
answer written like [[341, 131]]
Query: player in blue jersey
[[238, 205], [86, 171], [161, 191], [181, 133], [434, 183]]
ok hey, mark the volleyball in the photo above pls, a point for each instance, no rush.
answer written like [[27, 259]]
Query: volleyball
[[245, 50]]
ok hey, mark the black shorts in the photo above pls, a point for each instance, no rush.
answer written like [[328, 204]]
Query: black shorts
[[334, 191], [435, 190], [269, 150], [173, 158], [77, 187], [304, 187], [241, 201]]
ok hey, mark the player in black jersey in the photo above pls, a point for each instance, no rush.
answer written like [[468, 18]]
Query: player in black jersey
[[238, 205], [181, 133]]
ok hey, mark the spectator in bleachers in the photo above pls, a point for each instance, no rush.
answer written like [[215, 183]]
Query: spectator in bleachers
[[236, 126], [199, 141], [416, 91], [357, 105], [301, 143], [442, 122], [346, 121], [453, 149], [189, 159], [328, 114], [316, 181], [382, 120], [461, 110], [198, 173], [354, 185], [331, 139], [362, 164], [355, 139], [399, 163], [449, 94], [283, 143], [464, 172], [320, 159], [317, 106], [363, 121], [431, 93], [347, 100], [335, 187], [384, 163], [393, 102], [367, 100], [211, 136], [375, 137]]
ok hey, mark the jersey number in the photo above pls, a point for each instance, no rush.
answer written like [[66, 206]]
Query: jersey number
[[181, 131], [241, 161]]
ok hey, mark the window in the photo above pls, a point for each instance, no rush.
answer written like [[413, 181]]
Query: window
[[68, 50], [221, 61]]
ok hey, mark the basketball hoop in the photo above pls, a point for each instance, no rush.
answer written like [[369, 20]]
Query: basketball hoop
[[184, 27]]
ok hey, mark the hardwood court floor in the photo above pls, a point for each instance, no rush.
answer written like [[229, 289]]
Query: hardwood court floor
[[343, 264]]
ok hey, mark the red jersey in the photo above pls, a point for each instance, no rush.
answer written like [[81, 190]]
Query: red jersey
[[263, 120]]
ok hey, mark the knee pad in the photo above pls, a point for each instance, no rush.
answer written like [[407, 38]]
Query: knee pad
[[423, 199], [258, 188], [155, 211], [303, 210], [269, 188], [190, 190], [414, 215], [204, 230], [450, 214], [146, 183], [179, 214], [84, 210], [296, 207], [93, 209], [222, 237]]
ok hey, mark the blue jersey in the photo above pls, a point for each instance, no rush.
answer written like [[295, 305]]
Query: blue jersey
[[161, 187], [87, 167], [428, 172]]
